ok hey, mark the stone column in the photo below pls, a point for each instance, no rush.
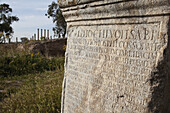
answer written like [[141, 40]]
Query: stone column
[[9, 40], [48, 34], [38, 34], [34, 36], [16, 39], [118, 58], [4, 40], [45, 33], [41, 33]]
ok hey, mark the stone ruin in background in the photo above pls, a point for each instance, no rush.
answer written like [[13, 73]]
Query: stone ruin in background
[[118, 56]]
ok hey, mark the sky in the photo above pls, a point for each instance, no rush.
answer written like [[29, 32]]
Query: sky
[[31, 15]]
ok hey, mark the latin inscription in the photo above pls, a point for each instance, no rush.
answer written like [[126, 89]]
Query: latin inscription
[[109, 65]]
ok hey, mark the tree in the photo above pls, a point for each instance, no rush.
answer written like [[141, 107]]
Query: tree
[[60, 24], [5, 21]]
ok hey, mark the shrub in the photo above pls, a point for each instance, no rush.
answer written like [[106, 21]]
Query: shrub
[[27, 64]]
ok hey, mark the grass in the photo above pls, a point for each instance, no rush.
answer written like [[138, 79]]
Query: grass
[[9, 50], [29, 83], [32, 93]]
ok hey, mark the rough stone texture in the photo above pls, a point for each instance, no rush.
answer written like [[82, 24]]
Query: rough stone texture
[[117, 57], [50, 48]]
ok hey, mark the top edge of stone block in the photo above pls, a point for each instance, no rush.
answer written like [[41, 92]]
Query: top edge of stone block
[[70, 3], [67, 3]]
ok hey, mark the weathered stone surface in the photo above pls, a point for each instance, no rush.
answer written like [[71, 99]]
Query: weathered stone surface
[[117, 57], [50, 48]]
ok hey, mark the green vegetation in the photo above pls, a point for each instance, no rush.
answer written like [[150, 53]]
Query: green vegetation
[[9, 51], [29, 82], [6, 21], [55, 13], [26, 64], [42, 38], [32, 93]]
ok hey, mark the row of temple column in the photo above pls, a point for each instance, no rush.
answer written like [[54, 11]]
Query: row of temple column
[[40, 35]]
